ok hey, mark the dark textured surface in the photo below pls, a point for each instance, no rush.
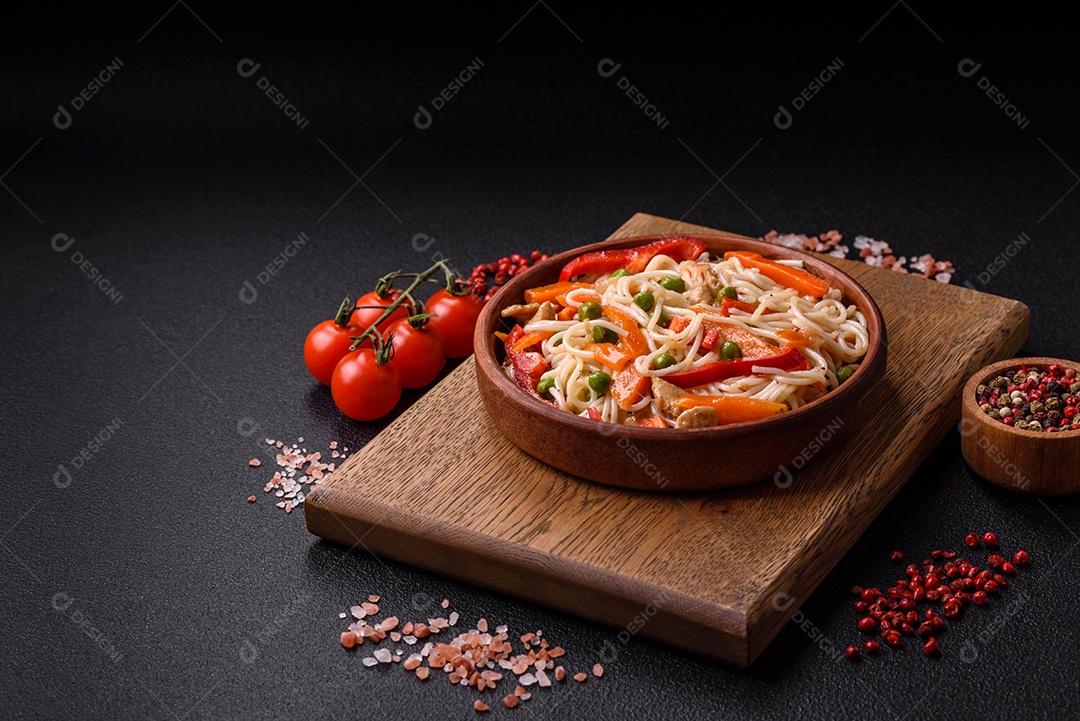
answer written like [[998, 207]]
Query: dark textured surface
[[180, 180]]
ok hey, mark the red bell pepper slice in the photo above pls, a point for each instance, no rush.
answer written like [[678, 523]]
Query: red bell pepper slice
[[634, 260], [751, 346], [712, 335], [790, 359], [528, 365]]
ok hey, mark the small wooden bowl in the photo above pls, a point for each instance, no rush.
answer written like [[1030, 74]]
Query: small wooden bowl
[[677, 459], [1038, 464]]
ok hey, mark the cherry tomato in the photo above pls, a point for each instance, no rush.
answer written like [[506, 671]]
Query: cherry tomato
[[418, 353], [455, 318], [364, 317], [326, 344], [362, 389]]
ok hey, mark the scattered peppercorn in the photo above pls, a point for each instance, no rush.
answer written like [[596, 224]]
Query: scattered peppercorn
[[501, 271], [942, 578], [852, 653]]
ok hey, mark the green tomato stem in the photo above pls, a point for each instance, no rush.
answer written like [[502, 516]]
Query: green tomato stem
[[372, 331], [344, 312]]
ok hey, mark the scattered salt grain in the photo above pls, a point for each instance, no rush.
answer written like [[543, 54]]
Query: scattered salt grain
[[296, 469], [871, 251], [473, 659]]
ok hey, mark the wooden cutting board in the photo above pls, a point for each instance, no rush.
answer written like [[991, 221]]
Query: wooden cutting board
[[716, 573]]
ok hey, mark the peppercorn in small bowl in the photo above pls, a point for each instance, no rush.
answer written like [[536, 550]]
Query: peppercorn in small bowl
[[1020, 425]]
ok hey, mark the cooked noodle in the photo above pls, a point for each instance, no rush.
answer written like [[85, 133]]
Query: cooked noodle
[[837, 335]]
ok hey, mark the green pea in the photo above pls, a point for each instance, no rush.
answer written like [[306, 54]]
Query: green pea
[[589, 310], [663, 320], [602, 334], [664, 360], [557, 343], [673, 283], [644, 300], [842, 374], [620, 273], [727, 292], [599, 381], [730, 350], [544, 387]]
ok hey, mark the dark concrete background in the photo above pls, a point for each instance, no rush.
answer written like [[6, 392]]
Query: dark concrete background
[[180, 180]]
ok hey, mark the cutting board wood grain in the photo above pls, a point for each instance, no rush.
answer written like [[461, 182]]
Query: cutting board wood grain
[[715, 573]]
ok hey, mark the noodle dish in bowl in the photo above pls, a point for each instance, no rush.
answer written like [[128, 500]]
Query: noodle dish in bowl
[[681, 362]]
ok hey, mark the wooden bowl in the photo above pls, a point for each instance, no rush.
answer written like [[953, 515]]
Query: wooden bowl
[[1038, 464], [676, 459]]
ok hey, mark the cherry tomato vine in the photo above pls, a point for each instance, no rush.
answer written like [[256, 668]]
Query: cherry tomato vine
[[388, 339]]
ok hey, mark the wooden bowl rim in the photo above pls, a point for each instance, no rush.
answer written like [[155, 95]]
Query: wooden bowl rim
[[972, 410], [489, 365]]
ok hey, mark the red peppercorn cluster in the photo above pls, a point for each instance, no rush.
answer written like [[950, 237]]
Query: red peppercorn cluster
[[943, 579], [1033, 400], [501, 271]]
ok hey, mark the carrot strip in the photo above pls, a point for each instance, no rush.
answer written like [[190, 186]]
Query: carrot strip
[[566, 313], [585, 297], [553, 291], [733, 409], [678, 324], [629, 387], [610, 355], [727, 305], [795, 278], [530, 339], [652, 422], [796, 338], [634, 341]]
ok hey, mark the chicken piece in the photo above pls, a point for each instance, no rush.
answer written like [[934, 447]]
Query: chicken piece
[[665, 394], [705, 292], [521, 313], [546, 311], [698, 417]]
